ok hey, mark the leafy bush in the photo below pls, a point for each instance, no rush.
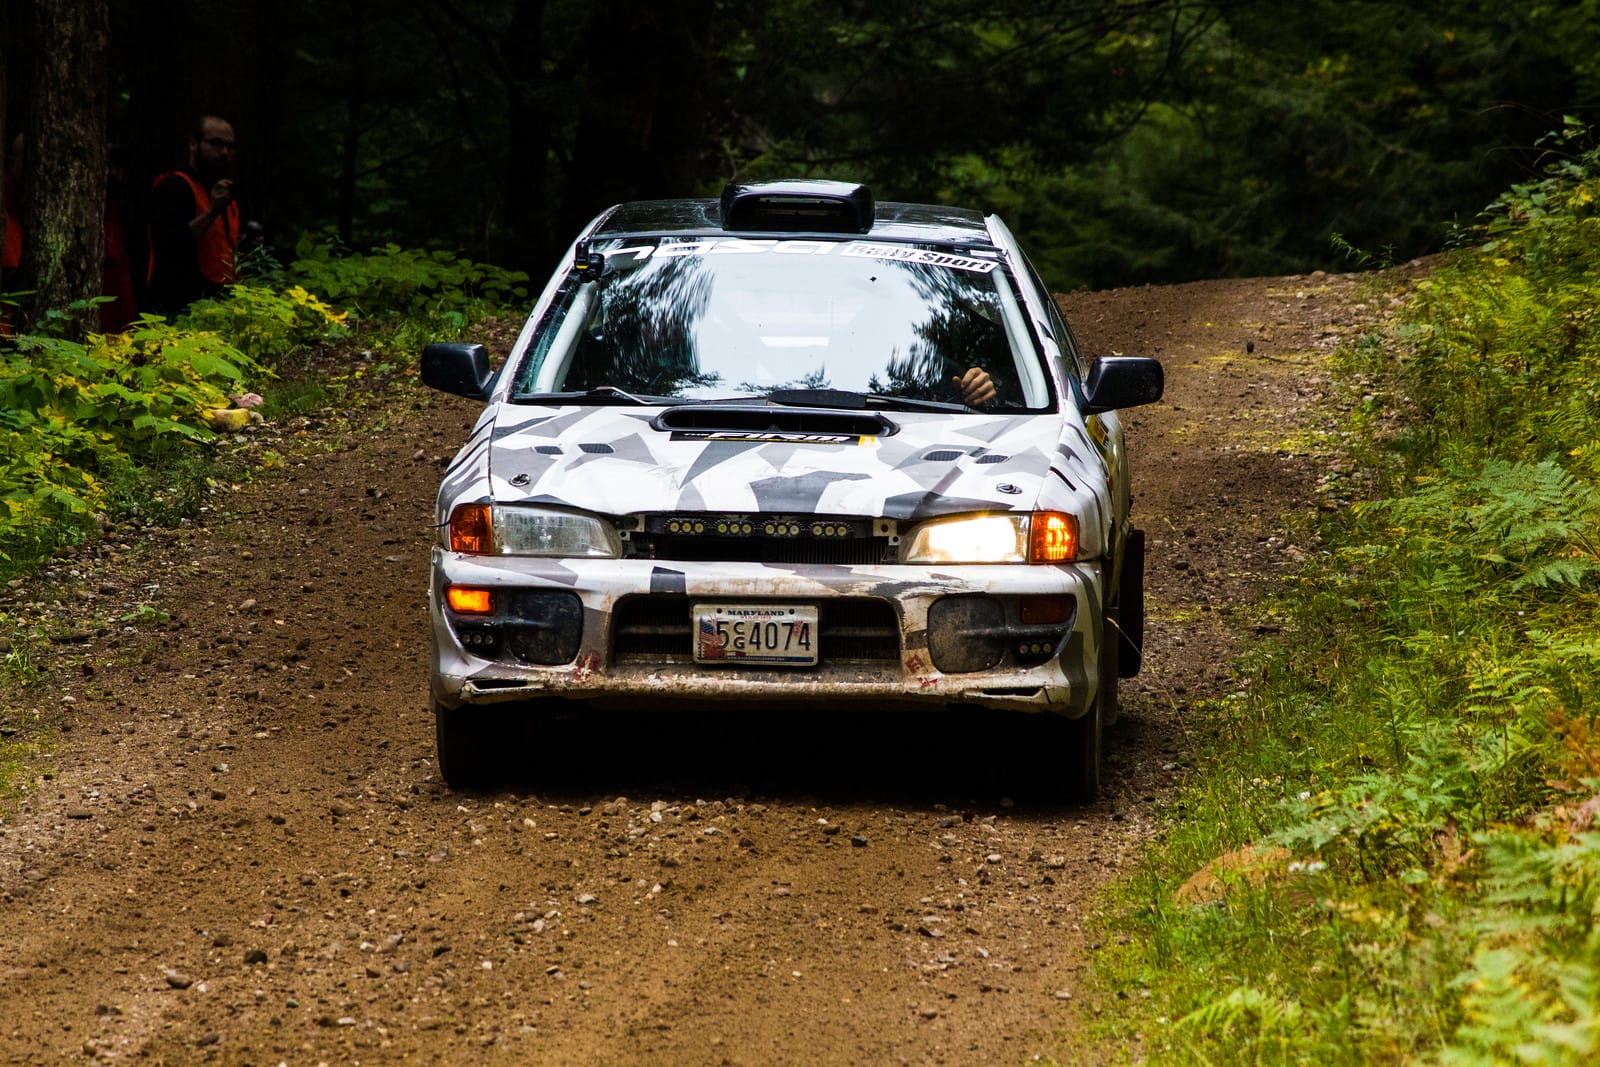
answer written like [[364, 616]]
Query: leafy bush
[[267, 324], [399, 281], [81, 422], [1426, 745], [75, 415], [1532, 992]]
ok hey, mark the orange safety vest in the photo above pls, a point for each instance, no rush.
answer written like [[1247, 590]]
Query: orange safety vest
[[217, 245], [12, 254]]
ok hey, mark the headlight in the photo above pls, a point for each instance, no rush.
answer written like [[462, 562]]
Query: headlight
[[1039, 537], [502, 530]]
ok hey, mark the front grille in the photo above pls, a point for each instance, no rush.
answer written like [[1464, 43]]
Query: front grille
[[862, 552], [792, 539], [850, 630]]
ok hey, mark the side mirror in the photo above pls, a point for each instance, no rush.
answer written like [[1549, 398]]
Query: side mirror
[[1122, 382], [459, 369]]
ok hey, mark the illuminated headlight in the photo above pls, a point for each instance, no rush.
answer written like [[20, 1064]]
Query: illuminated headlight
[[1040, 537], [500, 530]]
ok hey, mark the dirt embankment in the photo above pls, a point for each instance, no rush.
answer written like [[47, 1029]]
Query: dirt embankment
[[241, 852]]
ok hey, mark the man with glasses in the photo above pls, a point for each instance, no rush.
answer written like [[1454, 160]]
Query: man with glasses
[[194, 222]]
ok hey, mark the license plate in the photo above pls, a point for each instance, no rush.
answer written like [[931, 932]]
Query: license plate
[[765, 635]]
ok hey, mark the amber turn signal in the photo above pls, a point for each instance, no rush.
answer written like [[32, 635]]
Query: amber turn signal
[[1054, 538], [468, 600], [472, 530]]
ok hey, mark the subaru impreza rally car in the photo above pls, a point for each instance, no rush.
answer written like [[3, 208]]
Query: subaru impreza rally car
[[789, 446]]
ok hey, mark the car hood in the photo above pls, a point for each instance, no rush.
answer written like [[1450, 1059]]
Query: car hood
[[612, 461]]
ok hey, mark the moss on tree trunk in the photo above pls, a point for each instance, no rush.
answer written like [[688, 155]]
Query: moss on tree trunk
[[64, 164]]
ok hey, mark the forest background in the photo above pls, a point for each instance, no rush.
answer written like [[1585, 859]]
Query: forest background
[[1125, 140]]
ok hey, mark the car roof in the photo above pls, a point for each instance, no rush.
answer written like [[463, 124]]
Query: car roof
[[891, 221]]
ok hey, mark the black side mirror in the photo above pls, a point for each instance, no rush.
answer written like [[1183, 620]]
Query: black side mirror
[[1122, 382], [459, 369]]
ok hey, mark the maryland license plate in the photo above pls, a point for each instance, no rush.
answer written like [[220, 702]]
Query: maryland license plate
[[756, 635]]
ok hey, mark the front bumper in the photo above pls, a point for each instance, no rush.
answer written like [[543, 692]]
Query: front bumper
[[881, 654]]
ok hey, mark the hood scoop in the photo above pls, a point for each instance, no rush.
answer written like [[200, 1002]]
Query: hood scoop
[[754, 421]]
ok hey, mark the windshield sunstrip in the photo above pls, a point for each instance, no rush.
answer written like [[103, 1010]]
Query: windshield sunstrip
[[739, 246]]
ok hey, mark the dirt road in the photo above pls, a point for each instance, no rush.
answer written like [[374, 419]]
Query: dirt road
[[240, 852]]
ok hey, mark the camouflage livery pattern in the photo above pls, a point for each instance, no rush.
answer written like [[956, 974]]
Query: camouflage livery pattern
[[610, 461]]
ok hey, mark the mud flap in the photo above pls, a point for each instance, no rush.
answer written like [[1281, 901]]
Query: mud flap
[[1130, 606]]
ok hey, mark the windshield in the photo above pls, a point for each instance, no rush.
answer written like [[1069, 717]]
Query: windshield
[[718, 318]]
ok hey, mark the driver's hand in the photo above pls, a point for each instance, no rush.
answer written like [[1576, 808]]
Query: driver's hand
[[976, 387]]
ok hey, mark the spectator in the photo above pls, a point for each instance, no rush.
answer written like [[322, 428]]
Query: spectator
[[194, 222], [11, 251], [11, 255]]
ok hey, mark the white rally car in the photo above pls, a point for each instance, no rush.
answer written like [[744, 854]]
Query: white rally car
[[790, 447]]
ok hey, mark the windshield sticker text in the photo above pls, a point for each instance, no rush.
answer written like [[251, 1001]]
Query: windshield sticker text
[[903, 254], [738, 246]]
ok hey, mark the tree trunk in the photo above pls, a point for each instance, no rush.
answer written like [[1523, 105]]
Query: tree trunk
[[64, 162], [6, 34], [528, 127], [355, 61]]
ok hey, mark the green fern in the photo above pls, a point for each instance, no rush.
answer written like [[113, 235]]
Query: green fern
[[1532, 995], [1536, 523]]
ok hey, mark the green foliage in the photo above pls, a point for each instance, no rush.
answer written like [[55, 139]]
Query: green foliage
[[1425, 746], [108, 426], [74, 415], [97, 426], [1532, 992], [403, 282], [406, 298], [145, 613], [1359, 258], [266, 324], [1137, 141], [1536, 523], [85, 426], [288, 399], [1508, 336]]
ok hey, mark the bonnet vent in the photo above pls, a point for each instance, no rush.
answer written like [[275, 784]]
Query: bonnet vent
[[762, 418]]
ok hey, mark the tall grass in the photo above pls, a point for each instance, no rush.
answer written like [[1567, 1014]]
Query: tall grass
[[1416, 762]]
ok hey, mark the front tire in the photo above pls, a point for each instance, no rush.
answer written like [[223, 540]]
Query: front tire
[[468, 742], [1082, 743], [1057, 760]]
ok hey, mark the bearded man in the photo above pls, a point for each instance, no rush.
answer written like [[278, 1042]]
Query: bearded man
[[194, 222]]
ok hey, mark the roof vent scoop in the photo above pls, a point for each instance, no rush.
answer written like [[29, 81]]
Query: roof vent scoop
[[797, 206]]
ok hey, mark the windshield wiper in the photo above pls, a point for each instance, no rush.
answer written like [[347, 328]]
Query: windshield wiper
[[600, 394], [853, 401]]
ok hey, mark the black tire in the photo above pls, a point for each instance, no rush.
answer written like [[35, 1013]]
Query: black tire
[[1082, 745], [1057, 760], [468, 742]]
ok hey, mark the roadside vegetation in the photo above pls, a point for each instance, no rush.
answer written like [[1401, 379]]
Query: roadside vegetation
[[126, 431], [1389, 850]]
